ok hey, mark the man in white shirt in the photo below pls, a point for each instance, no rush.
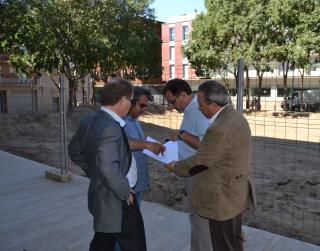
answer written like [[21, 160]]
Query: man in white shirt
[[178, 93]]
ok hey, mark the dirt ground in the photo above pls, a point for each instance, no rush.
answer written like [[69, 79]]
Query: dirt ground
[[285, 158]]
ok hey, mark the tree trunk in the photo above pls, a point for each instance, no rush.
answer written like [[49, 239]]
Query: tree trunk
[[70, 99], [247, 88], [285, 85], [302, 106], [258, 105], [75, 97], [83, 91]]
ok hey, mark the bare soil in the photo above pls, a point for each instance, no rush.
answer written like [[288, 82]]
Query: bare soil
[[285, 157]]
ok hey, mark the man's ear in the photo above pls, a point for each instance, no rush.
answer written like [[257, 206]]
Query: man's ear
[[214, 107]]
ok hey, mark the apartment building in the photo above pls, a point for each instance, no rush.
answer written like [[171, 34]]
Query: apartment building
[[174, 35], [20, 94]]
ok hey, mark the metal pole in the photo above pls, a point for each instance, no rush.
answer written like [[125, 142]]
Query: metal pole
[[63, 176], [63, 127], [32, 101], [239, 83]]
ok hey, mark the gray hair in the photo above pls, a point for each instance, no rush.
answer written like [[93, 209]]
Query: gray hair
[[214, 92]]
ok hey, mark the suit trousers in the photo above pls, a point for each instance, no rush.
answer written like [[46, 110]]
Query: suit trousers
[[132, 236], [226, 235], [200, 232], [138, 196]]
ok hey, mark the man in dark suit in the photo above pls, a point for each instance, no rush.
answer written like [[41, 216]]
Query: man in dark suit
[[101, 149], [223, 181]]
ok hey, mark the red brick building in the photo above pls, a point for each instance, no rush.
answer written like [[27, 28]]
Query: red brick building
[[174, 35]]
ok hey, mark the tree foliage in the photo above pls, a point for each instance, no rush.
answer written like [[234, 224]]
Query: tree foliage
[[75, 36], [259, 31]]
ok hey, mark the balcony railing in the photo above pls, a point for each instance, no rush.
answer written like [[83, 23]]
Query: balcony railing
[[16, 81]]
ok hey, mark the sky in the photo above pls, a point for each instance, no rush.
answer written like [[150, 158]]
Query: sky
[[164, 9]]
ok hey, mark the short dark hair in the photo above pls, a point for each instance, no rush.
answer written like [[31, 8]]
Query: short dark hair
[[214, 92], [176, 86], [139, 91], [114, 90]]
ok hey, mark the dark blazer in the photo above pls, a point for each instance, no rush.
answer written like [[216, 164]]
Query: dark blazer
[[226, 188], [106, 157]]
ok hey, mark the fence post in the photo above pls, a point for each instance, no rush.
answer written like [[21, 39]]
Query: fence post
[[239, 83], [63, 175], [63, 127]]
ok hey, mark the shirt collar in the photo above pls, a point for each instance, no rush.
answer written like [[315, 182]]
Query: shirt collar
[[115, 116], [214, 117], [191, 103], [128, 117]]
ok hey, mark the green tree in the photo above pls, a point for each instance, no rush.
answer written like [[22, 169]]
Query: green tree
[[220, 38], [307, 43], [73, 37]]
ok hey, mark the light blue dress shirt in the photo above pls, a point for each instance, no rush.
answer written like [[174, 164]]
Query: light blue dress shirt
[[134, 130], [193, 122]]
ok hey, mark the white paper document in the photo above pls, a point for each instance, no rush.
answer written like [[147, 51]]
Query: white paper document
[[169, 155]]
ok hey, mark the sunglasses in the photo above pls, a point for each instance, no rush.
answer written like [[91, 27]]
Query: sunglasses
[[171, 102], [141, 105]]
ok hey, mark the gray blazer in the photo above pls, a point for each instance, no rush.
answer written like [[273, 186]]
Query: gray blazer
[[103, 152]]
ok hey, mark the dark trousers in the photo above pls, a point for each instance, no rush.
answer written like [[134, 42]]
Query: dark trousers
[[138, 196], [226, 235], [132, 236]]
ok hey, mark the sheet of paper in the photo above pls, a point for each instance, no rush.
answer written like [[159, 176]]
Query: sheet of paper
[[169, 155]]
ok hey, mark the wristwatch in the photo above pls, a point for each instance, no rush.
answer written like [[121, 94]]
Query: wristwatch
[[179, 136]]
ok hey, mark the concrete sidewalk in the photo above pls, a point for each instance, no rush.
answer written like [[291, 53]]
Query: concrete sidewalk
[[40, 214]]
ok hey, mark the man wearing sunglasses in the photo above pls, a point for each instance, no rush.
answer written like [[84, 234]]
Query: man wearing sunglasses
[[137, 142], [178, 94]]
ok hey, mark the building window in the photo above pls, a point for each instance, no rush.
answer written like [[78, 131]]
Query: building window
[[185, 71], [171, 53], [172, 70], [232, 92], [264, 92], [171, 34], [185, 32], [183, 54]]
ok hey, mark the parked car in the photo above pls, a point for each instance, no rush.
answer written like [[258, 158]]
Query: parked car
[[310, 101]]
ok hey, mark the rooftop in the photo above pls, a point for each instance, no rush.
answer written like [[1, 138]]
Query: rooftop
[[182, 18]]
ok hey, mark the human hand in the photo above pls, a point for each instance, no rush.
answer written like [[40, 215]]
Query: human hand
[[169, 166], [130, 200], [174, 135], [156, 148]]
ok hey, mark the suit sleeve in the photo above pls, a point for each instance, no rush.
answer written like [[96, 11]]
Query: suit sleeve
[[74, 150], [108, 162], [211, 150]]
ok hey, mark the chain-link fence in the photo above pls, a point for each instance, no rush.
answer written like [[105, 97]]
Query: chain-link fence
[[285, 154]]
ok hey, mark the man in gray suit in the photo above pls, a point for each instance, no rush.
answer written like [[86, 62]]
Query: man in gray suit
[[101, 148]]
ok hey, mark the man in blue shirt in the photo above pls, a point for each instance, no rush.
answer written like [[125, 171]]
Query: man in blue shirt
[[136, 137], [178, 94]]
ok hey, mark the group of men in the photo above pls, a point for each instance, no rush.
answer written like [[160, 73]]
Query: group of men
[[214, 142]]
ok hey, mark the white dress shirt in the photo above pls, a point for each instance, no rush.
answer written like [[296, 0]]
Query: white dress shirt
[[214, 117]]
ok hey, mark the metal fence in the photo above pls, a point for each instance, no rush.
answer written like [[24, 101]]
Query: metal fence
[[285, 154]]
